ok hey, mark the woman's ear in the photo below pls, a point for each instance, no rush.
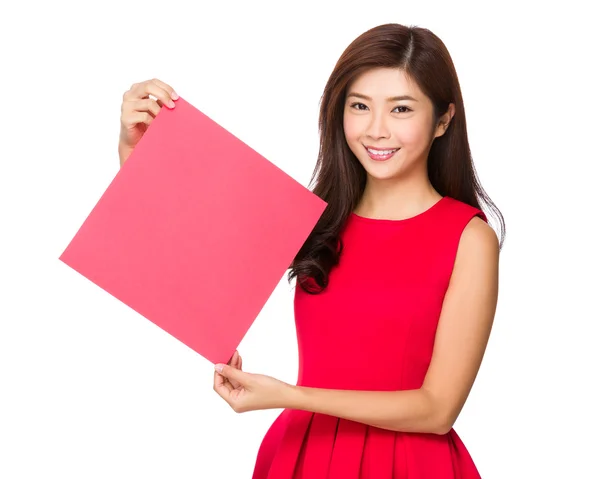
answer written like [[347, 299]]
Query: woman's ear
[[444, 121]]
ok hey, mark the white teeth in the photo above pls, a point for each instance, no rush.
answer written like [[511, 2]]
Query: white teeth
[[380, 152]]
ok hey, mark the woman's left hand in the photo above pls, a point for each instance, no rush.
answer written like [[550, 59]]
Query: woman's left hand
[[250, 392]]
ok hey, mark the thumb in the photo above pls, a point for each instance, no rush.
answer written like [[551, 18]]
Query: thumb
[[230, 372]]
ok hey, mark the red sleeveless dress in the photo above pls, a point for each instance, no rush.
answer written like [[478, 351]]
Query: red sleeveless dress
[[381, 308]]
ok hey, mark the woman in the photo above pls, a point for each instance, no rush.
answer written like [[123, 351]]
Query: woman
[[396, 285]]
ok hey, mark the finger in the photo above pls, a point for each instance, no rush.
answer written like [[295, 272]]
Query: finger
[[167, 88], [170, 94], [236, 364], [233, 363], [148, 104], [221, 386], [145, 89], [221, 381], [231, 373], [235, 383], [233, 360], [131, 119]]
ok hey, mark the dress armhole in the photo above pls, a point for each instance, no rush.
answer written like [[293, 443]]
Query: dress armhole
[[454, 240], [482, 215]]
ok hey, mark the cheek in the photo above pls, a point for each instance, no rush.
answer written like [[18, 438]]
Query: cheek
[[353, 134], [352, 128], [349, 128], [412, 135]]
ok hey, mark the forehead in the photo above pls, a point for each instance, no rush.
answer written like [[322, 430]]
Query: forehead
[[384, 83]]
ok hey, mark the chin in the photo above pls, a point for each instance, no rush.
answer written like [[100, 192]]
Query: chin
[[377, 174]]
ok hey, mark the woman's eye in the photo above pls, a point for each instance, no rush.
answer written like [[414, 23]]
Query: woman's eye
[[406, 109], [355, 105]]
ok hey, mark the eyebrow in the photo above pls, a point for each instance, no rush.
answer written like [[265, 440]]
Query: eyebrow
[[393, 98]]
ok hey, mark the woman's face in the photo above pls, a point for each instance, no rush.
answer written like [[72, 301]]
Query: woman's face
[[388, 123]]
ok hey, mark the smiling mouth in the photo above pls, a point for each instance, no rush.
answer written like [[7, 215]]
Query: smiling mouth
[[381, 154]]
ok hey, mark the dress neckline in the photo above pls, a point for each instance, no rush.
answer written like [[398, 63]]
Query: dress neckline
[[385, 221]]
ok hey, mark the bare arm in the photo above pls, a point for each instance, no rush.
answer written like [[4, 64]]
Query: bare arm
[[461, 338]]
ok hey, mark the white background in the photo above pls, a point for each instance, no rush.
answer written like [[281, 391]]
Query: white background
[[90, 389]]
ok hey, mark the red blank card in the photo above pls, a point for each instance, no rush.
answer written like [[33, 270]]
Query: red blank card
[[195, 231]]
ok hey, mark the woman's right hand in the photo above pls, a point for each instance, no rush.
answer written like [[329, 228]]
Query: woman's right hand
[[138, 110]]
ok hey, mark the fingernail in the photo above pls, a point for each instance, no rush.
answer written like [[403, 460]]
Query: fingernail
[[171, 104], [174, 96], [219, 367]]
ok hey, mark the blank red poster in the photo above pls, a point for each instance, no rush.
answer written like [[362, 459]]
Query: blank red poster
[[195, 231]]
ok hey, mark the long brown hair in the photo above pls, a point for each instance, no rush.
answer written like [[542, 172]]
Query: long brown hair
[[339, 178]]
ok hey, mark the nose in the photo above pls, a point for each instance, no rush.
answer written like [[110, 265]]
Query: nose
[[377, 128]]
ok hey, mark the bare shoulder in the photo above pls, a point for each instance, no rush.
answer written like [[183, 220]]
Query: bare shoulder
[[479, 238], [478, 249]]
